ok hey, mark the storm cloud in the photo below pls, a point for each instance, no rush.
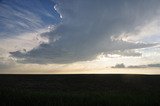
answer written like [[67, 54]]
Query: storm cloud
[[88, 28]]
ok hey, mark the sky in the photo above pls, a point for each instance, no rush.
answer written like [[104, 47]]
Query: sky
[[79, 36]]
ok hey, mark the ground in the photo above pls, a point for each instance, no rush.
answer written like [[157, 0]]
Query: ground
[[79, 90]]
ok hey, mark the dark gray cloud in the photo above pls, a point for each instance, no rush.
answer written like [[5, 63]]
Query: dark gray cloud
[[119, 66], [87, 27], [3, 66], [137, 66], [153, 65]]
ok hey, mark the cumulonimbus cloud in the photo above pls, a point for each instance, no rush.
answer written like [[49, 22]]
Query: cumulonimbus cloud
[[87, 27]]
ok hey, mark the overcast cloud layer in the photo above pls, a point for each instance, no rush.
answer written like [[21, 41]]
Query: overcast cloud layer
[[89, 28]]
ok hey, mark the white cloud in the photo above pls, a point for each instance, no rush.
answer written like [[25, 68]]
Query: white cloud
[[22, 43], [148, 32], [125, 53], [26, 41]]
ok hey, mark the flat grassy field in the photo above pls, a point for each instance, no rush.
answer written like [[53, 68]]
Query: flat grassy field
[[79, 90]]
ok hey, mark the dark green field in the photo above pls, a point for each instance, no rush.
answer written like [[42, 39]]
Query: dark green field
[[79, 90]]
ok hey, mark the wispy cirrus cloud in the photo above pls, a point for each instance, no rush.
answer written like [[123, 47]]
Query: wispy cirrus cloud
[[19, 16]]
